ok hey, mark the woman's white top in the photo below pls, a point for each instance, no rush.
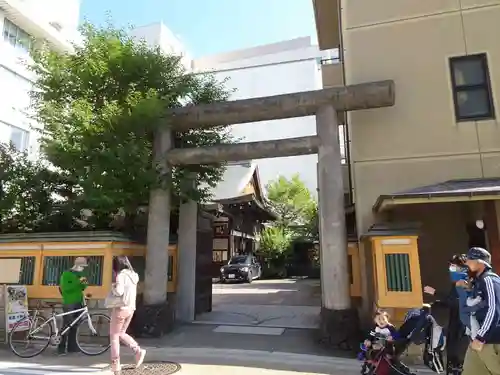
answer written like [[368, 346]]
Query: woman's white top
[[125, 287]]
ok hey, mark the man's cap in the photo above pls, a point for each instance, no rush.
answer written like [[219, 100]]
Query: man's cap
[[80, 262], [479, 254]]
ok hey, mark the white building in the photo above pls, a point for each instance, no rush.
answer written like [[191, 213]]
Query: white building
[[158, 35], [273, 69], [21, 22]]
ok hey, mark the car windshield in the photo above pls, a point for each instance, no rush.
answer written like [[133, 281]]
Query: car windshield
[[238, 260]]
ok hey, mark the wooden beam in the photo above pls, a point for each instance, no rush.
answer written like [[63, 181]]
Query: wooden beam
[[299, 104], [244, 151]]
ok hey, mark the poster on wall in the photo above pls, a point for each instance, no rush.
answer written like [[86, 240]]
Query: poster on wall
[[16, 306]]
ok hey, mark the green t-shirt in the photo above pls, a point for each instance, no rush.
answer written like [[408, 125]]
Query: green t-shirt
[[71, 287]]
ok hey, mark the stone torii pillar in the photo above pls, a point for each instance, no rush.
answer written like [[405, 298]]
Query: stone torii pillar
[[339, 320]]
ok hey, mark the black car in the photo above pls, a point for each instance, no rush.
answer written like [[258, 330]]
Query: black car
[[241, 268]]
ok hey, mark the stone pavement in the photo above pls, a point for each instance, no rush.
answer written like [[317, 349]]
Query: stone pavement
[[299, 341], [205, 349], [263, 315], [288, 292], [192, 361], [288, 303], [203, 361]]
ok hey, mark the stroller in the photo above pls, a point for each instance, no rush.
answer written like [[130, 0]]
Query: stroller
[[418, 328]]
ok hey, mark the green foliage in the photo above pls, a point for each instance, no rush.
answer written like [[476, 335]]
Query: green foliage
[[310, 228], [274, 242], [298, 219], [100, 107], [28, 192], [295, 205]]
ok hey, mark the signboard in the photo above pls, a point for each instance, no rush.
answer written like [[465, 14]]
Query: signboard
[[10, 270], [16, 306]]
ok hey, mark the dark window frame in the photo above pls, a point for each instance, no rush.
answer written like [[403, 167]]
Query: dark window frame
[[485, 86]]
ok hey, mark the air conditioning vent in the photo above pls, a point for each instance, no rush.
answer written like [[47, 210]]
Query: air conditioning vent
[[56, 25]]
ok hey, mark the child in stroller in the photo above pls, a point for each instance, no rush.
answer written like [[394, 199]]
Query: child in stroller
[[381, 352]]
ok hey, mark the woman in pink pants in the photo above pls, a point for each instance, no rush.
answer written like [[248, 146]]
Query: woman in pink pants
[[124, 289]]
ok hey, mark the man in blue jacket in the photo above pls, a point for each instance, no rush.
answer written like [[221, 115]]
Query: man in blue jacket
[[483, 354]]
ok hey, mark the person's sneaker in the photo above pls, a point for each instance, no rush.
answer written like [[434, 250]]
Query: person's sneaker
[[61, 353], [139, 357]]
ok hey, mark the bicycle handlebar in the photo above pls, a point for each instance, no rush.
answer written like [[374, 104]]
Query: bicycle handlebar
[[53, 305]]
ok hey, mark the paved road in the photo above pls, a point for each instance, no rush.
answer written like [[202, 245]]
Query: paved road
[[288, 292], [193, 361], [30, 367], [289, 303]]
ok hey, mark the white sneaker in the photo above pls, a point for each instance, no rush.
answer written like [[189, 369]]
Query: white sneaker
[[139, 357]]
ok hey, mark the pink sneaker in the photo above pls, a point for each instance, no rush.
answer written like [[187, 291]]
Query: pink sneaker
[[139, 357]]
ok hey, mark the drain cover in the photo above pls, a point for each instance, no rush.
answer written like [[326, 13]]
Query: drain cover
[[152, 368]]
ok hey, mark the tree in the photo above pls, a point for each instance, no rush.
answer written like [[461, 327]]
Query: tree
[[295, 205], [100, 107], [310, 227], [274, 242], [30, 193]]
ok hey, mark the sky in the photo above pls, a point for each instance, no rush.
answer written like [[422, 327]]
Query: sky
[[209, 27]]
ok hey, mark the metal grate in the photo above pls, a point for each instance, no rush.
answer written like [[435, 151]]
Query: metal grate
[[139, 265], [54, 266], [397, 268], [27, 272], [153, 368]]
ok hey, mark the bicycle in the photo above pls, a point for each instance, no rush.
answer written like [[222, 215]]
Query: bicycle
[[37, 322]]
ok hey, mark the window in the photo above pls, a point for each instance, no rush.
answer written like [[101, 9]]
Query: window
[[398, 272], [138, 263], [54, 266], [219, 256], [471, 88], [16, 36], [15, 94], [19, 138]]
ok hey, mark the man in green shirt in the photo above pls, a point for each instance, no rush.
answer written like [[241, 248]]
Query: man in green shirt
[[71, 285]]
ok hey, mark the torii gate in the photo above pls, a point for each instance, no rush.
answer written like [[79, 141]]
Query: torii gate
[[339, 319]]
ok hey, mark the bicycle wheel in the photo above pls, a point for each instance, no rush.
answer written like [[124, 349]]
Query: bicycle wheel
[[92, 335], [30, 336]]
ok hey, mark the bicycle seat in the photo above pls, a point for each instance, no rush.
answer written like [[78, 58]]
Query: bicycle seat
[[51, 304]]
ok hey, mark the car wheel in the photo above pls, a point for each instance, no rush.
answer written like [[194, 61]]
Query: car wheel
[[249, 277]]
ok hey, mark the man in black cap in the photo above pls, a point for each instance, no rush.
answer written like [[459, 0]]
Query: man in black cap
[[483, 354]]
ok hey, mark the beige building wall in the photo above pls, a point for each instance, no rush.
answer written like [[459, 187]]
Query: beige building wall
[[418, 141]]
